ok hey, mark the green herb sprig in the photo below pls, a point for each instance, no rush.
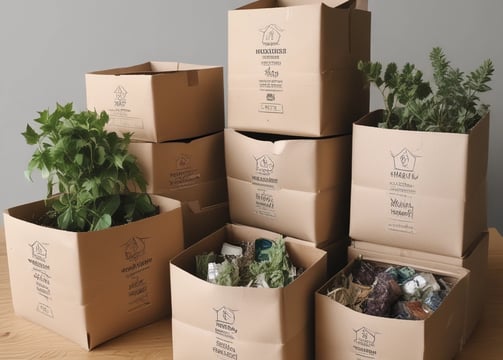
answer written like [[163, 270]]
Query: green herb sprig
[[89, 167], [453, 104]]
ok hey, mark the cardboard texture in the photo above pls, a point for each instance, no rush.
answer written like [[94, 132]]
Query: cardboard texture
[[418, 190], [342, 333], [292, 66], [92, 286], [221, 322], [193, 172], [299, 187], [475, 260], [337, 253], [205, 209], [153, 99], [174, 165]]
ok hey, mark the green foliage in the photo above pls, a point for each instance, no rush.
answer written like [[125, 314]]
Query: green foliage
[[90, 169], [410, 103], [275, 271]]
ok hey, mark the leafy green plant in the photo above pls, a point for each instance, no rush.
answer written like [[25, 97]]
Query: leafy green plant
[[410, 103], [89, 167]]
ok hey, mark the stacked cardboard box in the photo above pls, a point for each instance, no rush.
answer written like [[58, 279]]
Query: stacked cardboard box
[[293, 92], [418, 199], [175, 113]]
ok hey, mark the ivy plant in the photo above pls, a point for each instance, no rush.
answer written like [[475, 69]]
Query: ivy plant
[[92, 181], [452, 104]]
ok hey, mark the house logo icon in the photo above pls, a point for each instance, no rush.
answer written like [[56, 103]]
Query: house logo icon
[[134, 248], [225, 315], [264, 165], [120, 96], [364, 336], [183, 161], [38, 251], [271, 35], [404, 160]]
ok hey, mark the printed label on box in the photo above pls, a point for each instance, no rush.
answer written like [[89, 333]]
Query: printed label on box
[[225, 334], [264, 203], [184, 175], [119, 114], [41, 276], [138, 263], [264, 172], [402, 191], [364, 344], [270, 54]]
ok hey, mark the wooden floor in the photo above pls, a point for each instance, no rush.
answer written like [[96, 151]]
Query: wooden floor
[[21, 339]]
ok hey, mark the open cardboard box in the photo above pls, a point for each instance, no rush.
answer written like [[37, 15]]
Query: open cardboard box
[[92, 286], [475, 260], [343, 333], [292, 66], [159, 101], [212, 321], [299, 187], [419, 190]]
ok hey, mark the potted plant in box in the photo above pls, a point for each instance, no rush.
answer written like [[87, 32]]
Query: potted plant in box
[[420, 164], [99, 245]]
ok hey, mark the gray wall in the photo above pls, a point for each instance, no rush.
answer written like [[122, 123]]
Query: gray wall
[[47, 46]]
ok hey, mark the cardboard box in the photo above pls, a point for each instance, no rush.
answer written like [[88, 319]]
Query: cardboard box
[[343, 333], [292, 66], [419, 190], [174, 165], [92, 286], [193, 172], [211, 321], [475, 260], [159, 101], [297, 187], [206, 211]]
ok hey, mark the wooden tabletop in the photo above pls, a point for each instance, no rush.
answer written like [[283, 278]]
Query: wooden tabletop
[[21, 339]]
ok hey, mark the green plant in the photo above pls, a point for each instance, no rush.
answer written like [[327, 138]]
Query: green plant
[[452, 105], [91, 169]]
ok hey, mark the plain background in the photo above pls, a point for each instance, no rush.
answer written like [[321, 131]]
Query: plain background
[[46, 47]]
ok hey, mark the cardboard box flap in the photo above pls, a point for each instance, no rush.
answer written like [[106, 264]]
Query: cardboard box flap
[[153, 68], [358, 4], [359, 245]]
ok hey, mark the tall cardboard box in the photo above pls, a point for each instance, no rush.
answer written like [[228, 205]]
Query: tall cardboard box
[[419, 190], [222, 322], [292, 66], [343, 333], [159, 101], [295, 186], [92, 286], [193, 172], [475, 260]]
